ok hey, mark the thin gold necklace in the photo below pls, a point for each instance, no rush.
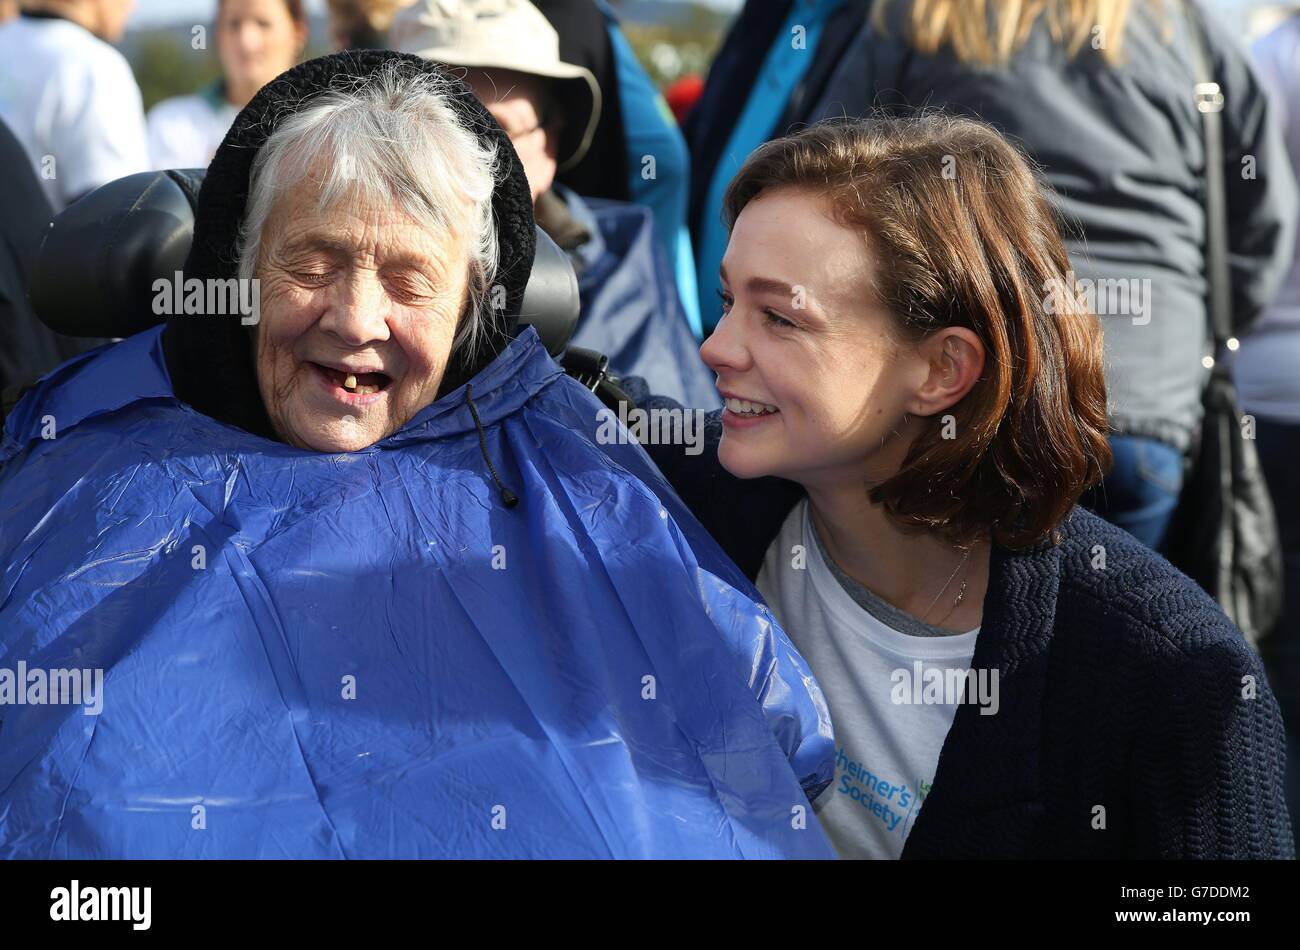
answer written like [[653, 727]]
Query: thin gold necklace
[[960, 593]]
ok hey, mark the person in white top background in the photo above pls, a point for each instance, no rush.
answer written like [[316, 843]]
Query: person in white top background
[[70, 97], [256, 40]]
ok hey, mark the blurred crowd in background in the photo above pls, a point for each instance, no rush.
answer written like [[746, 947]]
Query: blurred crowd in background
[[630, 133]]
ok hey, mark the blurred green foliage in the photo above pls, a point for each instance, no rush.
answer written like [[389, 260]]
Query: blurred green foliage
[[165, 65], [678, 48]]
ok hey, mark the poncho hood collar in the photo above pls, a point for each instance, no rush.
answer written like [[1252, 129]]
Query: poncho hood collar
[[135, 371]]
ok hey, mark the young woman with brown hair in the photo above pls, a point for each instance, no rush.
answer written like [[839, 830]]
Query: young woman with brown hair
[[914, 403]]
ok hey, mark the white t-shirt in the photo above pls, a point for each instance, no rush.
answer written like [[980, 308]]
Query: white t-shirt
[[883, 687], [72, 101], [184, 131]]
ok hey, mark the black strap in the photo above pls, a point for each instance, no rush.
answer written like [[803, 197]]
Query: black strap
[[508, 498], [1208, 98]]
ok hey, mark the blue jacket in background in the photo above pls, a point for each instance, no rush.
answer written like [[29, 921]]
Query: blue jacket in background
[[368, 654], [635, 124], [651, 132], [754, 33], [631, 311]]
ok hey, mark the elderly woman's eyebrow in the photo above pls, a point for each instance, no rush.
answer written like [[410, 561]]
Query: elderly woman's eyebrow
[[341, 247], [317, 242]]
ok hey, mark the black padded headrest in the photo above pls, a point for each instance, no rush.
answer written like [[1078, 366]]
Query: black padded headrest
[[96, 268]]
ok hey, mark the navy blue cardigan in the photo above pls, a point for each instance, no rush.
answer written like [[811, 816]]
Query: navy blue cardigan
[[1127, 727]]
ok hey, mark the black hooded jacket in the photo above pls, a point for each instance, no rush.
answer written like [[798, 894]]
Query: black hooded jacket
[[28, 348], [211, 360]]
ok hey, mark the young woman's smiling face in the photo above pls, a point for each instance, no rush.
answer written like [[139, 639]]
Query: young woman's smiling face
[[823, 378]]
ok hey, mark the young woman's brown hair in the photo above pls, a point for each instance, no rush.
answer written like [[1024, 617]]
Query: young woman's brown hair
[[962, 235]]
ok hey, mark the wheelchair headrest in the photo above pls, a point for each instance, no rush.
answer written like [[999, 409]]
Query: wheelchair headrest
[[95, 272]]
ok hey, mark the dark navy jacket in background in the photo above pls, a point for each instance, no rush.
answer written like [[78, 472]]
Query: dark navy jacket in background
[[709, 124], [28, 348]]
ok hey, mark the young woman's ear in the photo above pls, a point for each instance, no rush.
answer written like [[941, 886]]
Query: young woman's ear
[[956, 359]]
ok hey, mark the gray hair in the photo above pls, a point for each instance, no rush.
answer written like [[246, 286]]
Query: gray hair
[[392, 137]]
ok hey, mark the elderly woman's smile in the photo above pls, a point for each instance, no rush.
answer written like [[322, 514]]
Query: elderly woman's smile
[[360, 305], [370, 231]]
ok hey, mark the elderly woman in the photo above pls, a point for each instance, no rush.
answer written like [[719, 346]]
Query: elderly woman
[[357, 577], [914, 403]]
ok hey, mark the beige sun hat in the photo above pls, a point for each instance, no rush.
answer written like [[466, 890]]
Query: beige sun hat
[[503, 34]]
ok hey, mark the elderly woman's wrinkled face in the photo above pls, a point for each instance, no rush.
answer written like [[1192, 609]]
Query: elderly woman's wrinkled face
[[359, 308]]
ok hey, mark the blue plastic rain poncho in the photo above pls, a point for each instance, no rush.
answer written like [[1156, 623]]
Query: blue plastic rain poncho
[[369, 655]]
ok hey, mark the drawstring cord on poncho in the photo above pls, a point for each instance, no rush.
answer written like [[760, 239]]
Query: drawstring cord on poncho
[[508, 498]]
